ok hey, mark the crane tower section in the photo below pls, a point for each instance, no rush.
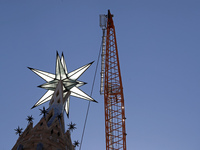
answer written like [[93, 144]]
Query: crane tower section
[[115, 131]]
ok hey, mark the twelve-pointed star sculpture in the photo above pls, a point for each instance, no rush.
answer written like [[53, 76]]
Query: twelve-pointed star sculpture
[[70, 82]]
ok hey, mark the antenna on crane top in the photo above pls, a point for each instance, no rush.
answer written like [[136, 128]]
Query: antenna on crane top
[[103, 21]]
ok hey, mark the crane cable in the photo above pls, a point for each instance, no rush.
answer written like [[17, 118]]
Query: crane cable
[[91, 95]]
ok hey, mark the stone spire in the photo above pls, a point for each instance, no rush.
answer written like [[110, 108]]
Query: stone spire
[[56, 106], [49, 133]]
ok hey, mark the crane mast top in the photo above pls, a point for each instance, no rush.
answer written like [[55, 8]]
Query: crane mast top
[[111, 85]]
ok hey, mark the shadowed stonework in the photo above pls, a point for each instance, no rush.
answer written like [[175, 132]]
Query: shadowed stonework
[[49, 133]]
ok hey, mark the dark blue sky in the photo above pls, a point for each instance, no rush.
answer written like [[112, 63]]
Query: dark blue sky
[[159, 53]]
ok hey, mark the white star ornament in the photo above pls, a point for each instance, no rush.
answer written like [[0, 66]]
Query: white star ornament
[[70, 82]]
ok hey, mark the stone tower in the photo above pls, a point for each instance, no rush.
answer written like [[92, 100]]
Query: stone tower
[[49, 133]]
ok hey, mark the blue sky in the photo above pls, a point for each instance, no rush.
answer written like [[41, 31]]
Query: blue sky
[[159, 53]]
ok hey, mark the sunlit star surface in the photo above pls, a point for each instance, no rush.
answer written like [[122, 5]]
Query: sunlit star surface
[[70, 82]]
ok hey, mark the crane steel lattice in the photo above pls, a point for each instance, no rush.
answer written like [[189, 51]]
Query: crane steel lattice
[[113, 93]]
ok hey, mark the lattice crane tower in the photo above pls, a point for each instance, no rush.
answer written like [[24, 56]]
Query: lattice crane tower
[[111, 87]]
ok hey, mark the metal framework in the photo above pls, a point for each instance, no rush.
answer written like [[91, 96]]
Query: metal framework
[[113, 93]]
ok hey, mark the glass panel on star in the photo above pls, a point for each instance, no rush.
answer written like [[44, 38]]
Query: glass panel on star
[[46, 97], [80, 94], [80, 83], [78, 72], [69, 81], [48, 86], [45, 75], [64, 90], [67, 88], [60, 72], [68, 84], [57, 68], [67, 107], [64, 94], [63, 63]]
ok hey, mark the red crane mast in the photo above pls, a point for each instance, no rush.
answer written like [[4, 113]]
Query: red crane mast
[[113, 92]]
